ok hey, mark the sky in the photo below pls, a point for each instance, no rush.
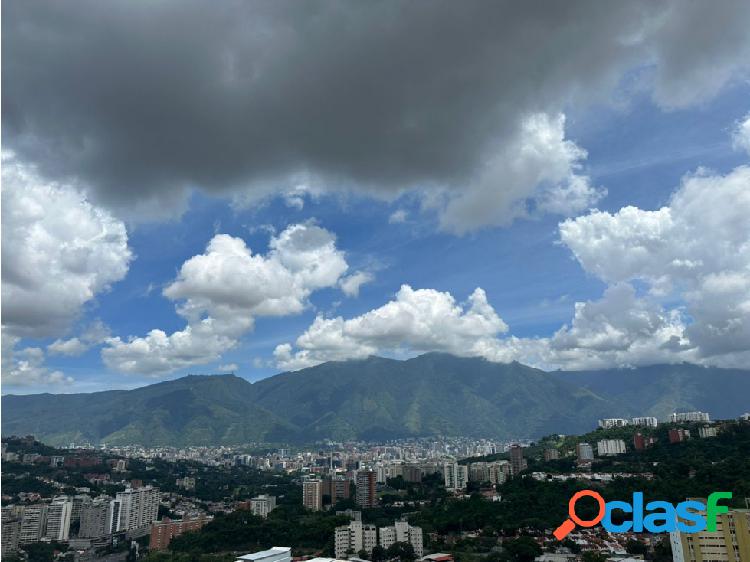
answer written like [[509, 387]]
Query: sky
[[256, 187]]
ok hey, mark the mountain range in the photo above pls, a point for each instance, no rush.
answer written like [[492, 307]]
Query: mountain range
[[375, 398]]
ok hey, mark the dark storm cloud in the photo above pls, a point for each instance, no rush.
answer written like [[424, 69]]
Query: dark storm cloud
[[142, 100]]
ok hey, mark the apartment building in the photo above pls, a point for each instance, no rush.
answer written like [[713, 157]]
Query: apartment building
[[729, 543], [455, 475], [58, 519], [366, 489], [312, 494], [262, 505], [352, 538], [401, 531], [136, 508]]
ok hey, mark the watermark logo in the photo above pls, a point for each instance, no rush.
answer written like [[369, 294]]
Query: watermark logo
[[654, 517]]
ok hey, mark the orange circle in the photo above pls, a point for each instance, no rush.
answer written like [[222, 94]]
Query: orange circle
[[572, 508]]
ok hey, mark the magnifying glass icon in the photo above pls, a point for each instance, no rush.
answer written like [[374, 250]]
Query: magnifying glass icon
[[569, 524]]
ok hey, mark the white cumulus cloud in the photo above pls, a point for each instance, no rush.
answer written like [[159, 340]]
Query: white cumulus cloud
[[741, 135], [415, 320], [350, 284], [538, 170], [72, 347], [222, 291], [695, 249], [59, 251], [398, 216], [619, 329], [25, 367], [691, 258], [95, 334]]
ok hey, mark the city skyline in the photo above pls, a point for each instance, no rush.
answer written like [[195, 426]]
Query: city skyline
[[334, 192], [389, 493]]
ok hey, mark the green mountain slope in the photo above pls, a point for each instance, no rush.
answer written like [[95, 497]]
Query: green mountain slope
[[191, 410], [659, 390], [428, 395], [375, 398]]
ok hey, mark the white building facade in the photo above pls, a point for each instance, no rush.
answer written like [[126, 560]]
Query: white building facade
[[33, 523], [351, 539], [645, 421], [609, 423], [136, 508], [262, 505], [610, 447], [401, 531], [689, 417], [58, 519], [275, 554], [455, 475]]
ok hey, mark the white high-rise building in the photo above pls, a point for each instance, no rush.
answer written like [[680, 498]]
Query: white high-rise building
[[585, 452], [58, 519], [610, 447], [493, 472], [456, 475], [499, 471], [11, 528], [262, 505], [137, 508], [352, 538], [609, 423], [416, 540], [33, 523], [645, 421], [689, 417], [79, 501], [730, 542], [341, 541], [96, 519], [386, 536], [402, 532], [707, 431], [382, 473]]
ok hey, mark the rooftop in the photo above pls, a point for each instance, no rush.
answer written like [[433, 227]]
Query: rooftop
[[270, 554]]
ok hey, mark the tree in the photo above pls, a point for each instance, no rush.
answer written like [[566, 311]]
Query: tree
[[397, 483], [43, 552], [634, 546], [378, 554], [663, 551], [489, 531], [363, 554], [402, 551], [522, 549]]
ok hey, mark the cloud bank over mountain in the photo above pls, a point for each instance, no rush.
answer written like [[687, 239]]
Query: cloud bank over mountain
[[691, 258]]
